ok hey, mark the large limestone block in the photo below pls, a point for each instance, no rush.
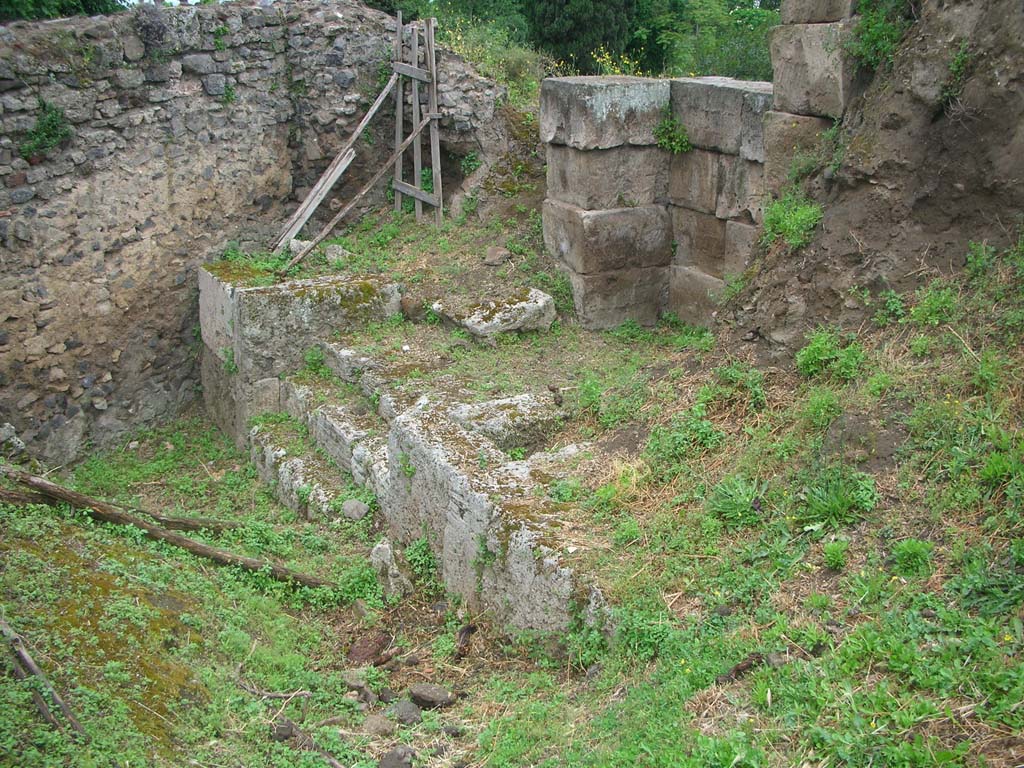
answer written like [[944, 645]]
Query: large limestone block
[[590, 242], [695, 180], [741, 194], [740, 239], [611, 298], [785, 136], [601, 112], [815, 11], [713, 110], [607, 178], [700, 240], [692, 294], [813, 75]]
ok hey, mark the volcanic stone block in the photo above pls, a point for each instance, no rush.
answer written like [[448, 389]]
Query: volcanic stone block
[[712, 109], [695, 180], [700, 240], [813, 75], [609, 299], [601, 112], [785, 136], [739, 244], [692, 293], [742, 189], [815, 11], [607, 178], [755, 105], [590, 242]]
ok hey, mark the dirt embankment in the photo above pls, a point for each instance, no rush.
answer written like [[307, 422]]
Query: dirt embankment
[[929, 163]]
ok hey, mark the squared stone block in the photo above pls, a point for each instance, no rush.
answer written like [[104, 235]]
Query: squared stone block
[[740, 240], [589, 242], [694, 180], [692, 294], [609, 299], [607, 178], [741, 194], [815, 11], [813, 74], [786, 135], [755, 105], [700, 240], [712, 109], [601, 112]]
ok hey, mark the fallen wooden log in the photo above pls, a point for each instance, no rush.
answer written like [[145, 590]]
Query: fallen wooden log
[[24, 665], [10, 496], [108, 513]]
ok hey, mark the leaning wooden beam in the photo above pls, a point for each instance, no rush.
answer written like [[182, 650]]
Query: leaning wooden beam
[[26, 664], [354, 201], [332, 174], [417, 150], [108, 513], [174, 523], [399, 52]]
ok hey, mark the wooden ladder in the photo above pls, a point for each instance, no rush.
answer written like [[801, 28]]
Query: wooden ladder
[[400, 69]]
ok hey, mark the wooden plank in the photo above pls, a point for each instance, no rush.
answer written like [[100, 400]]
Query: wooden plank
[[399, 109], [417, 146], [410, 71], [421, 196], [332, 174], [435, 138], [352, 203]]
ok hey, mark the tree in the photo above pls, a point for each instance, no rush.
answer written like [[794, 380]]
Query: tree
[[572, 30]]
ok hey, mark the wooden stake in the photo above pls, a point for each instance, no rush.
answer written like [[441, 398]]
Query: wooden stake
[[417, 153], [399, 107], [435, 139]]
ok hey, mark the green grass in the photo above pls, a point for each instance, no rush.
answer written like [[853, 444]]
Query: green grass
[[791, 219]]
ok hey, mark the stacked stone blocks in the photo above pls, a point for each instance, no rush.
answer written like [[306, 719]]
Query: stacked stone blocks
[[814, 80], [642, 231]]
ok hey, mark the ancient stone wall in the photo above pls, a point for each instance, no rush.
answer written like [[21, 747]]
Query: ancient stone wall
[[641, 230], [190, 127]]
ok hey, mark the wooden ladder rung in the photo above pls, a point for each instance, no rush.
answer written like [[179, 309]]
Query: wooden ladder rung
[[419, 194], [410, 71]]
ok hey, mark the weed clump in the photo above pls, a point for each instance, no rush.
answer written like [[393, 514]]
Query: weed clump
[[825, 353], [736, 501], [51, 130], [671, 135], [834, 497], [791, 219], [880, 28]]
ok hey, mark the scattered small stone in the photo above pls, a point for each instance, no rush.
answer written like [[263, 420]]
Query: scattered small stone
[[928, 613], [378, 725], [496, 256], [387, 695], [722, 610], [354, 509], [281, 730], [133, 445], [412, 660], [430, 696], [775, 659], [399, 757], [405, 712], [455, 731]]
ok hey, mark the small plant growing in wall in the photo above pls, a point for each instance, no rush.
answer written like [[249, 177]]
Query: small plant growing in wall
[[229, 96], [51, 129], [671, 135], [230, 366], [792, 219]]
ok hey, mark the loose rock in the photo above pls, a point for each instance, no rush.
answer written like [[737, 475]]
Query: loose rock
[[382, 559], [354, 509], [399, 757], [496, 256], [378, 725], [405, 712], [430, 696]]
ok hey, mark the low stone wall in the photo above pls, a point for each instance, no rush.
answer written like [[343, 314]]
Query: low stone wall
[[190, 127], [643, 231]]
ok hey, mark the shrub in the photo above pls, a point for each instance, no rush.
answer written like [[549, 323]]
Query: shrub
[[880, 28], [836, 496], [671, 135], [825, 353], [935, 304], [822, 408], [792, 218], [736, 501], [51, 129], [52, 9]]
